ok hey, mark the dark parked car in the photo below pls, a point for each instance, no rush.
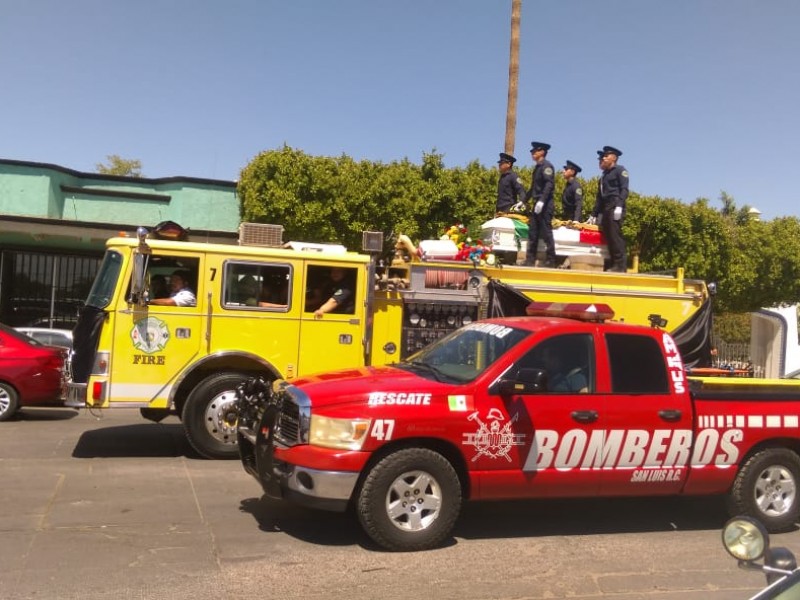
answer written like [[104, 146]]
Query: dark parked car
[[31, 374]]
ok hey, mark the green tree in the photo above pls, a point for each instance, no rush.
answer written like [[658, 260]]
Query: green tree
[[754, 263], [120, 166]]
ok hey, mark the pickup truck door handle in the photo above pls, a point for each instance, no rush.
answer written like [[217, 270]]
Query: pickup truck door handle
[[584, 416], [671, 415]]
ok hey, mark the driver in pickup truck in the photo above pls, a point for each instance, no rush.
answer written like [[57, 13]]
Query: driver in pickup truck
[[563, 376]]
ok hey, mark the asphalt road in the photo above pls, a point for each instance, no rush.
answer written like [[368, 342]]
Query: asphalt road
[[118, 507]]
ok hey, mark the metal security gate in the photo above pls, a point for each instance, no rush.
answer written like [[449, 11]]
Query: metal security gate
[[42, 289]]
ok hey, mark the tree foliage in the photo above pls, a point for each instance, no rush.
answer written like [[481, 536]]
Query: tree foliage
[[334, 199], [120, 166]]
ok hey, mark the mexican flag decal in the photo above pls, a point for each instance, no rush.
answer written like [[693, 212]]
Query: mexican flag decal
[[460, 403]]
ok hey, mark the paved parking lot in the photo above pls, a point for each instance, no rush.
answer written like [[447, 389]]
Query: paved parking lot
[[118, 507]]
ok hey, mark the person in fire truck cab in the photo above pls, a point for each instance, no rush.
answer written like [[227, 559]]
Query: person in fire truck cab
[[180, 293], [336, 294]]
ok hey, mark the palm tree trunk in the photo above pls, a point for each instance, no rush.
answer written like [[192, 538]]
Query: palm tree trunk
[[513, 77]]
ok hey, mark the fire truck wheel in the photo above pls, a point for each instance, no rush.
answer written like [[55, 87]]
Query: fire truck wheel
[[9, 401], [410, 500], [209, 416], [766, 488]]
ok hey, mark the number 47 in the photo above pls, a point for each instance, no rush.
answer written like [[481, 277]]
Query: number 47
[[382, 429]]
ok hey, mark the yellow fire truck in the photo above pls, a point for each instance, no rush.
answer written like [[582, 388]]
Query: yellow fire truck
[[254, 314]]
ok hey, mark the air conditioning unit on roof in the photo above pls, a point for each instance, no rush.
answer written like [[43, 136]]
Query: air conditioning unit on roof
[[260, 234]]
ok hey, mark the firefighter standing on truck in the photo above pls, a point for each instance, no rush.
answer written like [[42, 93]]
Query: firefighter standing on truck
[[609, 208], [572, 196], [541, 195], [510, 191]]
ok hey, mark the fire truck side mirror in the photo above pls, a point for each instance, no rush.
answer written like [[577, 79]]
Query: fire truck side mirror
[[527, 381], [138, 282]]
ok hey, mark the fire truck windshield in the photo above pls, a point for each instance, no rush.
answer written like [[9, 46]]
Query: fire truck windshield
[[106, 281], [466, 353]]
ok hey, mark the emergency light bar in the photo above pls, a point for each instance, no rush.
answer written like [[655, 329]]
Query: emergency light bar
[[581, 312]]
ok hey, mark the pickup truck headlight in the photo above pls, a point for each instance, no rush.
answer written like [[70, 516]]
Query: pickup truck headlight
[[343, 434]]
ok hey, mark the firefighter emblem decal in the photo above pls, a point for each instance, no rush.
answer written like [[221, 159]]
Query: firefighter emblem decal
[[493, 440], [150, 335]]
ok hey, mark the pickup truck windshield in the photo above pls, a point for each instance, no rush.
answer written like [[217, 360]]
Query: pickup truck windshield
[[103, 287], [464, 354]]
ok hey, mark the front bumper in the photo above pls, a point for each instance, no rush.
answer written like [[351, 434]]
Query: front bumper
[[315, 488]]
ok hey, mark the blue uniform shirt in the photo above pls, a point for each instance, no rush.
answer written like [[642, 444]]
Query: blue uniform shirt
[[509, 191], [572, 201], [612, 191], [544, 181]]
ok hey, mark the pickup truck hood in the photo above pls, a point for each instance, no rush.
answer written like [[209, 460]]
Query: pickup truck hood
[[359, 385]]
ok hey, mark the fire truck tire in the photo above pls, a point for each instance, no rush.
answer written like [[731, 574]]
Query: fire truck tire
[[766, 488], [410, 500], [209, 416], [9, 401]]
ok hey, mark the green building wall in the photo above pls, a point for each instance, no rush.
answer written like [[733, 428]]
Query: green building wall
[[44, 201], [54, 223]]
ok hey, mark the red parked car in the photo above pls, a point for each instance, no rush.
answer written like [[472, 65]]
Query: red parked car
[[31, 374]]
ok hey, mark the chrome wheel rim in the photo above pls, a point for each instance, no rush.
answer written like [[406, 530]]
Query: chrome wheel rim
[[221, 417], [775, 491], [5, 401], [414, 501]]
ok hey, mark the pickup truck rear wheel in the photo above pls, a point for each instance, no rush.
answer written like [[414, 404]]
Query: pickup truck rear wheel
[[410, 500], [210, 416], [766, 488]]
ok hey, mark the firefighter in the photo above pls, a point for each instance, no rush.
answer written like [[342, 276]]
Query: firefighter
[[541, 196], [609, 207], [510, 191], [572, 196]]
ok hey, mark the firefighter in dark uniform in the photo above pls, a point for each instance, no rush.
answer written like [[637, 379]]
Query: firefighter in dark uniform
[[510, 191], [572, 196], [609, 208], [540, 225]]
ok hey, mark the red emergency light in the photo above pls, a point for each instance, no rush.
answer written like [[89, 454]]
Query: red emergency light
[[575, 310]]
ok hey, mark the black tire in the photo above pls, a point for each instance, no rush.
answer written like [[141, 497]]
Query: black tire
[[209, 416], [9, 401], [766, 488], [426, 517]]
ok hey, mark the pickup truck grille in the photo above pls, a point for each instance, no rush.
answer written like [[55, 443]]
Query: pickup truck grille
[[288, 423]]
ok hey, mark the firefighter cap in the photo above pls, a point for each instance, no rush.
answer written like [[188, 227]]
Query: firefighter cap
[[608, 150], [507, 158]]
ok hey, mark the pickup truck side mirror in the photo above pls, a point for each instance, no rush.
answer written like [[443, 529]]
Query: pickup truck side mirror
[[527, 381]]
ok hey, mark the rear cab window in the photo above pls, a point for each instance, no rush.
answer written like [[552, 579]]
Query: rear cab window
[[637, 364]]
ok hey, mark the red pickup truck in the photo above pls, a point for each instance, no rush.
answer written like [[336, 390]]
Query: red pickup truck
[[544, 406]]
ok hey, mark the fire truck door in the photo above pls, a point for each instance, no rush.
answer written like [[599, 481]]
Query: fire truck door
[[333, 320], [152, 345]]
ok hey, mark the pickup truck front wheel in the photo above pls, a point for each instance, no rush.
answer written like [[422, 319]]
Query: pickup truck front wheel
[[766, 488], [410, 500]]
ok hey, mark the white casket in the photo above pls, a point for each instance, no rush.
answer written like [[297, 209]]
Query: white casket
[[504, 236], [500, 233]]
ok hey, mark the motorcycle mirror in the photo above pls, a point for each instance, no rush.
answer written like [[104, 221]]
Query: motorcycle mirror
[[745, 539]]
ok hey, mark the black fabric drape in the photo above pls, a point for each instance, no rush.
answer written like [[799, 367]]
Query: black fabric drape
[[86, 335]]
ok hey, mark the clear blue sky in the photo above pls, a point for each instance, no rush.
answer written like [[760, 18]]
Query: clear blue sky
[[701, 95]]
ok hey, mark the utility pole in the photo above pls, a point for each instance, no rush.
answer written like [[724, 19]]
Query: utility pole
[[513, 77]]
